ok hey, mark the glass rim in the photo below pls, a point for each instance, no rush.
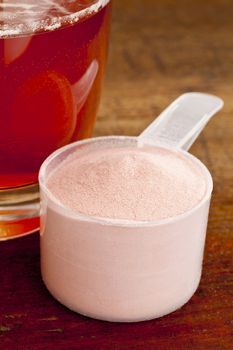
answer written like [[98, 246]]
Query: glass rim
[[40, 26], [121, 222]]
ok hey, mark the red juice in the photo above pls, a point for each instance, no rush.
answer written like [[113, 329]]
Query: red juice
[[52, 61]]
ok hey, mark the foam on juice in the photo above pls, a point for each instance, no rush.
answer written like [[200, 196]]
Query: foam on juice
[[20, 17]]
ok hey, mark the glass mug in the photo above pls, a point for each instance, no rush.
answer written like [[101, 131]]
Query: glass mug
[[52, 61]]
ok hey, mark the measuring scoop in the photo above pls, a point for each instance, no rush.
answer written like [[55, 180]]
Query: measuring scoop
[[128, 270]]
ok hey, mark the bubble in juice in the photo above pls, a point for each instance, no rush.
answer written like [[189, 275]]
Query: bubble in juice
[[52, 61]]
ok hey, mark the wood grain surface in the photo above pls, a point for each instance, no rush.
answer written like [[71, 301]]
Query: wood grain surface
[[159, 49]]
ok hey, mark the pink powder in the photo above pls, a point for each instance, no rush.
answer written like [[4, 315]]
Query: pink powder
[[129, 183]]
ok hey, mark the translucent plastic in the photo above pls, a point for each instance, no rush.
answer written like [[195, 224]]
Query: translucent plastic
[[122, 270], [119, 270], [179, 125]]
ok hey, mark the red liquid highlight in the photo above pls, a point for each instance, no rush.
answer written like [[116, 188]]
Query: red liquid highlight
[[50, 85]]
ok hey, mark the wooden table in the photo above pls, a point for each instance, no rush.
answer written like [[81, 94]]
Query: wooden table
[[159, 49]]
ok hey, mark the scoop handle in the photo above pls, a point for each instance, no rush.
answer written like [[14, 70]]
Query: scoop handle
[[179, 125]]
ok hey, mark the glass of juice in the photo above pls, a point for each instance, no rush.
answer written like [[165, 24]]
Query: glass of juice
[[52, 61]]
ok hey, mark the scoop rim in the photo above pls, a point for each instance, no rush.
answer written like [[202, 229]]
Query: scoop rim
[[64, 210]]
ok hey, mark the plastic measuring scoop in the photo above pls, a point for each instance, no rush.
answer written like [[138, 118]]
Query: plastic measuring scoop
[[128, 270]]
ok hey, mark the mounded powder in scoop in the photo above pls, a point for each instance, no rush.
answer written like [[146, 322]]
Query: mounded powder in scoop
[[141, 184]]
